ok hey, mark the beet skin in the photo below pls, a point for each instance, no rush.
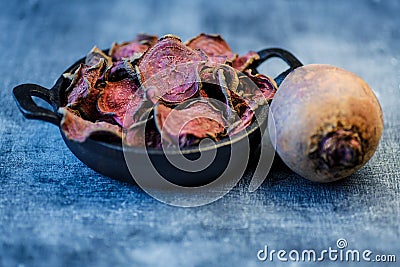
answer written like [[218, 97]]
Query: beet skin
[[328, 122]]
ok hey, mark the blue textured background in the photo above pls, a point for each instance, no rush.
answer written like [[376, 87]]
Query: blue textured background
[[54, 211]]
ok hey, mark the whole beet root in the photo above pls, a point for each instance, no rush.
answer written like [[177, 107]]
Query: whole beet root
[[328, 122]]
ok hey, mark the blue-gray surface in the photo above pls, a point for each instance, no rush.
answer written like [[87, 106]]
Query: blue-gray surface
[[54, 211]]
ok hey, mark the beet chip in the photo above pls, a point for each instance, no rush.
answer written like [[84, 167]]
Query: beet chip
[[115, 99], [83, 93], [213, 45], [210, 88], [169, 70], [266, 84], [95, 55], [135, 48], [238, 85], [225, 85], [77, 129], [120, 70], [244, 62], [143, 134], [146, 39], [127, 50], [185, 127], [141, 87], [243, 96], [244, 112]]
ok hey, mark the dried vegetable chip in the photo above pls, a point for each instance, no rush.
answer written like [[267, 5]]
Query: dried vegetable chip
[[116, 97], [213, 45], [122, 69], [266, 84], [134, 49], [83, 93], [162, 92], [78, 129], [198, 120], [169, 69], [95, 55], [143, 134], [244, 62]]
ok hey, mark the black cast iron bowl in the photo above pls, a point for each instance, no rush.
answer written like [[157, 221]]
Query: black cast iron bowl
[[108, 159]]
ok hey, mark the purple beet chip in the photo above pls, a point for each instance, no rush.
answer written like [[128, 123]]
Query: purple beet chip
[[169, 70], [213, 45], [196, 121], [164, 93], [244, 62], [135, 48], [118, 98], [78, 129], [82, 93]]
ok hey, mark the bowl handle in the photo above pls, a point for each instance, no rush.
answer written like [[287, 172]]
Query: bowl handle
[[285, 55], [23, 96]]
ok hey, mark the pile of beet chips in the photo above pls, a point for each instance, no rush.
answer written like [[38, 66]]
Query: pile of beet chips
[[163, 92]]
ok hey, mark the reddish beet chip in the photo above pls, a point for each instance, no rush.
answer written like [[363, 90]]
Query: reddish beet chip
[[218, 60], [143, 134], [169, 70], [89, 72], [127, 50], [173, 85], [187, 126], [120, 70], [95, 55], [117, 97], [135, 48], [136, 77], [210, 88], [267, 85], [242, 96], [228, 82], [244, 62], [243, 111], [222, 84], [146, 39], [77, 129], [135, 135], [246, 89], [213, 45], [83, 93]]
